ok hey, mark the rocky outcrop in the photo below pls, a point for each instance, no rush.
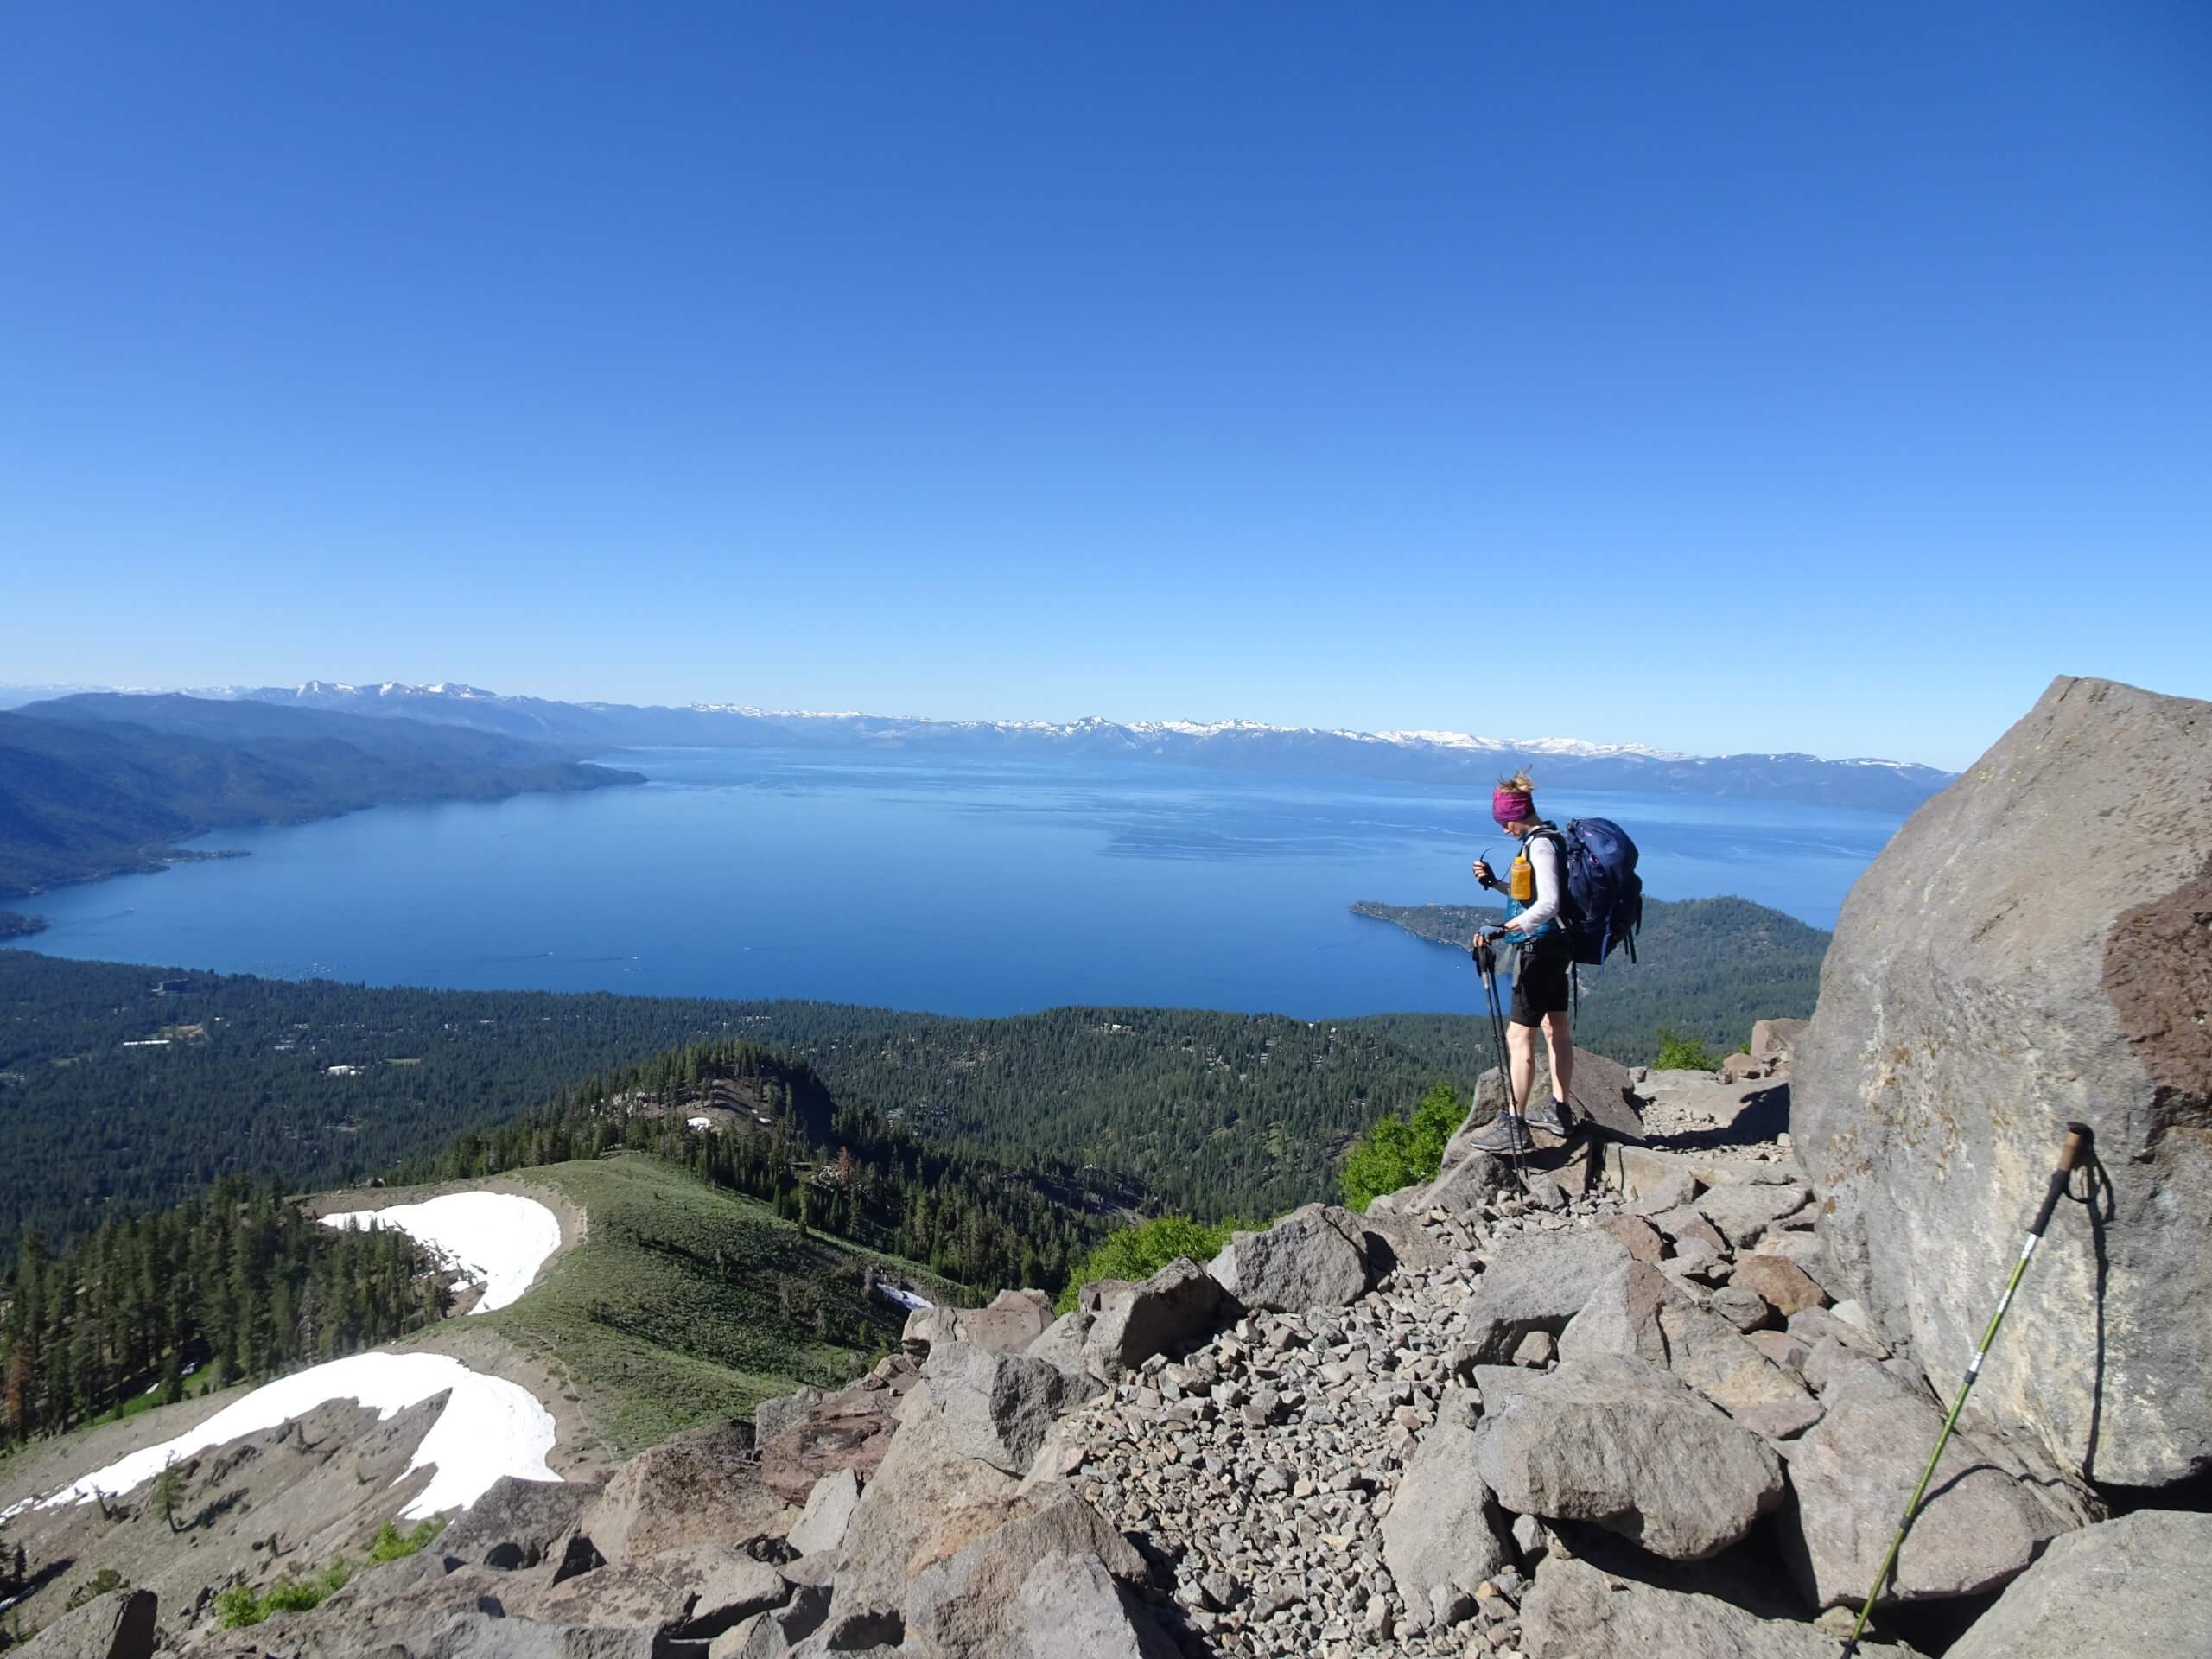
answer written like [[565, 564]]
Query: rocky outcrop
[[117, 1625], [519, 1524], [2134, 1585], [2032, 948], [1013, 1320], [1536, 1282], [850, 1429]]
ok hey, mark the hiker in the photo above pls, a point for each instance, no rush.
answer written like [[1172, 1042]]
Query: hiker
[[1544, 954]]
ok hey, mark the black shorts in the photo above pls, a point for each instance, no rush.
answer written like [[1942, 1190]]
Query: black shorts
[[1540, 973]]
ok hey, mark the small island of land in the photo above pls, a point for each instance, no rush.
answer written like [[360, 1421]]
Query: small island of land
[[15, 926]]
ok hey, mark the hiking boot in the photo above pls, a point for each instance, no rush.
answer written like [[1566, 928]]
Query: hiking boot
[[1550, 1116], [1507, 1136]]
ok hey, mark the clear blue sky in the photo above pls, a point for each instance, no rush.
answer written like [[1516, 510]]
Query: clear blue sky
[[1840, 373]]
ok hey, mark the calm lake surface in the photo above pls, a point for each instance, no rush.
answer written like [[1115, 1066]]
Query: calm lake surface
[[968, 886]]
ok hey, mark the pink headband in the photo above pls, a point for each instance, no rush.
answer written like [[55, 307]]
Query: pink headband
[[1511, 805]]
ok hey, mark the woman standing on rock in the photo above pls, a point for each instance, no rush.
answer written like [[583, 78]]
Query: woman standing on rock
[[1544, 955]]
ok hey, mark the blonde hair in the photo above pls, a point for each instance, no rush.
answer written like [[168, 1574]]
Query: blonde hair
[[1520, 780]]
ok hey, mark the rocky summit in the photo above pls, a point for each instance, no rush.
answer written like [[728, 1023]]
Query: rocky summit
[[2034, 948]]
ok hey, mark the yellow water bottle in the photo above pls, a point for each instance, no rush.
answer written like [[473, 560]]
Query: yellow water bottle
[[1522, 881]]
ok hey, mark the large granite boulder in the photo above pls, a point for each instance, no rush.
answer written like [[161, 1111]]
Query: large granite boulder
[[1576, 1611], [1315, 1257], [1983, 1521], [1616, 1440], [1131, 1323], [518, 1523], [997, 1407], [1444, 1529], [2136, 1585], [2032, 949], [1536, 1282], [700, 1485]]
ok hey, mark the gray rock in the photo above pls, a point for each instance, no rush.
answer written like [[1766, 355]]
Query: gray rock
[[1956, 1037], [628, 1595], [1467, 1184], [1070, 1607], [1852, 1474], [518, 1523], [1776, 1040], [920, 1481], [117, 1625], [2134, 1585], [1743, 1210], [1618, 1441], [1135, 1322], [1575, 1612], [1602, 1092], [698, 1486], [829, 1511], [1537, 1282], [1742, 1306], [1444, 1530], [963, 1581], [1635, 1311], [724, 1586], [1675, 1189], [771, 1417], [1315, 1257], [997, 1407]]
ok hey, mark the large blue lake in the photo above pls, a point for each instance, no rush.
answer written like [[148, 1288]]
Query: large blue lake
[[965, 887]]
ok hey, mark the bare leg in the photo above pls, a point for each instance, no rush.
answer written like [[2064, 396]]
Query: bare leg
[[1521, 1044], [1561, 1041]]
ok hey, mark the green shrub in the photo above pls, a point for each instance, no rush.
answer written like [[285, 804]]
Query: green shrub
[[99, 1584], [1679, 1053], [1395, 1153], [392, 1545], [238, 1607], [1140, 1252]]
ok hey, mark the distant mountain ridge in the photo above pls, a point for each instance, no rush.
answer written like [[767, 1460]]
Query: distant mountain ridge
[[1405, 756], [98, 784]]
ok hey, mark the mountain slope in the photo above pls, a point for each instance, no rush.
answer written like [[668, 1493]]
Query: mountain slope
[[94, 785], [1423, 757]]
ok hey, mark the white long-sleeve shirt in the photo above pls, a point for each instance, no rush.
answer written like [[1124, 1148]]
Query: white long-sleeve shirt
[[1542, 853]]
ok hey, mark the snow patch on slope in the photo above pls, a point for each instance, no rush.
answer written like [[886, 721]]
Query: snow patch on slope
[[498, 1240], [490, 1427]]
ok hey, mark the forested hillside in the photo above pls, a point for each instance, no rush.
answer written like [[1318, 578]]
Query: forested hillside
[[129, 1089], [98, 785], [236, 1284]]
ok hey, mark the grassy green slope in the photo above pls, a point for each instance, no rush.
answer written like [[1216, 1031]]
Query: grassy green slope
[[683, 1304]]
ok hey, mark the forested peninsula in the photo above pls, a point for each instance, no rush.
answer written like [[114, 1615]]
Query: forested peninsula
[[103, 784], [1705, 969]]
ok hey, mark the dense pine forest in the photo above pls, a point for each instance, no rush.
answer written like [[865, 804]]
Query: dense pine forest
[[129, 1088], [238, 1284]]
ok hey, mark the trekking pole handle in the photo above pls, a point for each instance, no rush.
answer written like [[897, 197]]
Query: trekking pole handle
[[2080, 1137]]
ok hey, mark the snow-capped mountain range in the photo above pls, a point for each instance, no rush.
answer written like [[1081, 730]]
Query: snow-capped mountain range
[[1414, 756]]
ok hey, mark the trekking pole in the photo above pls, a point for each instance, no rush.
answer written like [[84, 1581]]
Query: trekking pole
[[2078, 1138]]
